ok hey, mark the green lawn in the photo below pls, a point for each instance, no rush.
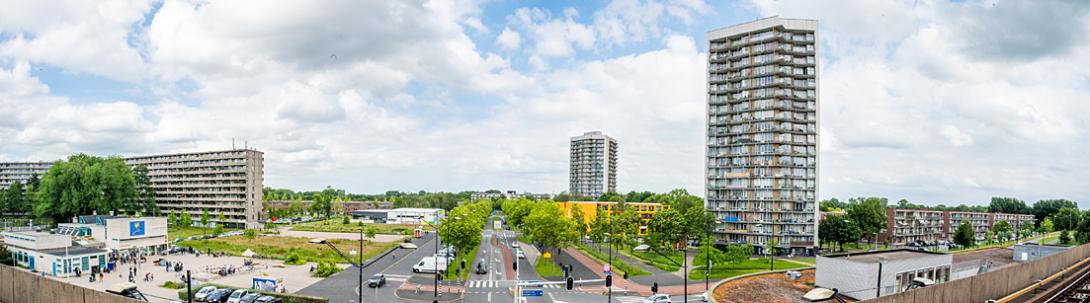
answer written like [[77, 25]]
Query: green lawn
[[337, 225], [745, 267], [185, 232], [805, 260], [278, 247], [548, 268], [669, 263], [524, 239], [619, 266], [980, 246], [471, 265]]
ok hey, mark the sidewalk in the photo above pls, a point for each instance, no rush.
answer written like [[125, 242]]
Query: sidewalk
[[630, 287], [426, 292]]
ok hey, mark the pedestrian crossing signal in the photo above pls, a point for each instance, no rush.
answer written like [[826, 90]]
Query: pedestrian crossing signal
[[571, 283], [655, 288], [609, 280]]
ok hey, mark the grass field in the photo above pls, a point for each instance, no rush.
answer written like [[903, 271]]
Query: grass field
[[548, 268], [337, 225], [619, 266], [452, 268], [806, 260], [277, 247], [736, 269], [671, 262]]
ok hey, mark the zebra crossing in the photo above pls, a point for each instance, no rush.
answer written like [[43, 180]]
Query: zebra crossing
[[629, 299], [504, 284]]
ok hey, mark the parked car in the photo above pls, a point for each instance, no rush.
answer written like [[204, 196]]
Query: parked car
[[249, 298], [407, 246], [219, 296], [704, 297], [532, 283], [641, 247], [376, 281], [520, 254], [269, 299], [514, 245], [202, 294], [236, 296], [658, 298]]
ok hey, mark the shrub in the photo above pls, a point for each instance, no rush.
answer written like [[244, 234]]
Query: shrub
[[344, 220], [326, 269], [173, 285], [250, 233], [294, 259]]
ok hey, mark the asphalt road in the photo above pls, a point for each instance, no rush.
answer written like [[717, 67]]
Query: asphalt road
[[343, 286]]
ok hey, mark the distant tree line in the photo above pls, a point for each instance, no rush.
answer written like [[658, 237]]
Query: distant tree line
[[82, 185]]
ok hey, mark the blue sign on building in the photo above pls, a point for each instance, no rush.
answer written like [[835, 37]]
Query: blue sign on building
[[532, 292], [730, 219], [136, 228]]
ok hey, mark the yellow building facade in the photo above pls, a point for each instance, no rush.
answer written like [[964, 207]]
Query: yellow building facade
[[590, 210]]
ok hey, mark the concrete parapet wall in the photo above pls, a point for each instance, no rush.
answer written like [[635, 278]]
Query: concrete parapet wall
[[19, 286], [990, 285]]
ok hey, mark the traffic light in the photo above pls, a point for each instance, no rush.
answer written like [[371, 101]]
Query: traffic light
[[515, 265], [626, 275], [571, 283], [463, 263], [609, 280], [655, 288]]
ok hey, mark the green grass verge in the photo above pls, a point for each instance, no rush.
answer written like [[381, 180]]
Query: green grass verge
[[669, 263], [524, 239], [452, 268], [278, 247], [548, 268], [745, 267], [619, 266], [337, 225], [806, 260]]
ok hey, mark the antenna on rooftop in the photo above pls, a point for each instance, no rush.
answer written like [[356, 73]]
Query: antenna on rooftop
[[232, 143]]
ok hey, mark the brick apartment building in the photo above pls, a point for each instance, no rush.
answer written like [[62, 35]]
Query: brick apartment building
[[905, 226]]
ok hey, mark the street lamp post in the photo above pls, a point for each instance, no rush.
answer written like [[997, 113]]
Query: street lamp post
[[361, 266]]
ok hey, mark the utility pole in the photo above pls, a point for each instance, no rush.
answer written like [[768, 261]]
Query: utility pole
[[610, 239], [360, 268]]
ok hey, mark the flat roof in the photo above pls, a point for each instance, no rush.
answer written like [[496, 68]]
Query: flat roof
[[417, 209], [33, 233], [75, 251], [893, 255], [374, 210]]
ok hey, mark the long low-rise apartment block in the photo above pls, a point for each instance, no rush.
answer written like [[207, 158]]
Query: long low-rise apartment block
[[227, 182], [905, 226]]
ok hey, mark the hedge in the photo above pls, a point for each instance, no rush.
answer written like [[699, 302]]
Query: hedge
[[288, 298]]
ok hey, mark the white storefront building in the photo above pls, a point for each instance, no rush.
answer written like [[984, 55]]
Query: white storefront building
[[52, 254], [146, 235]]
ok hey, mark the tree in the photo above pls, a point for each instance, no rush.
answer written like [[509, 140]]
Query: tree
[[580, 219], [186, 220], [547, 226], [1047, 208], [145, 195], [204, 218], [599, 227], [838, 229], [323, 202], [1002, 229], [626, 226], [708, 252], [739, 253], [1065, 237], [1008, 205], [666, 229], [295, 207], [222, 218], [832, 205], [1066, 218], [14, 198], [1046, 225], [370, 232], [250, 233], [1082, 230], [698, 222], [84, 184], [172, 219], [964, 234], [869, 214]]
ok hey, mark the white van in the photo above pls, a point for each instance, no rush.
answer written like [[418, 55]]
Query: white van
[[430, 265]]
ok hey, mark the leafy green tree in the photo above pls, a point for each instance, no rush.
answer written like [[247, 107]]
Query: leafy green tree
[[222, 218], [964, 235], [370, 232], [145, 195], [869, 214], [323, 202], [1082, 230], [546, 225], [838, 229], [295, 207], [832, 205], [250, 233], [578, 217], [1066, 218], [172, 219], [186, 220], [5, 256], [1002, 229], [708, 252], [15, 198], [1047, 208], [626, 226], [599, 227], [204, 218], [84, 184], [218, 230], [1008, 205], [1065, 237], [667, 229], [1046, 225], [739, 253]]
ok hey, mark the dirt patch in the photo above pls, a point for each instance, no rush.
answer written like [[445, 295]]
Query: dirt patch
[[772, 287]]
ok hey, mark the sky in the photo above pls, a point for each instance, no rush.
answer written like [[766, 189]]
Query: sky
[[930, 101]]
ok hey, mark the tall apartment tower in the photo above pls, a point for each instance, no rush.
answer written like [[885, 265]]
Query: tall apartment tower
[[593, 167], [762, 134]]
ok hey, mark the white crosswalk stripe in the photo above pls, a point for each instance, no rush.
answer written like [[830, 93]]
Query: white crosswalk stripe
[[630, 299]]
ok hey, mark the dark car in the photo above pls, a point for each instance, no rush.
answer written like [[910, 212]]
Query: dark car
[[219, 296], [269, 299], [250, 298], [481, 268], [376, 280]]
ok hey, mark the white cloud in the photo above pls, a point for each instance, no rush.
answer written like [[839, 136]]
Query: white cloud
[[508, 39]]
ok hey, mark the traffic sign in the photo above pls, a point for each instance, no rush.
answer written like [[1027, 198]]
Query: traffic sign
[[547, 255], [532, 292]]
